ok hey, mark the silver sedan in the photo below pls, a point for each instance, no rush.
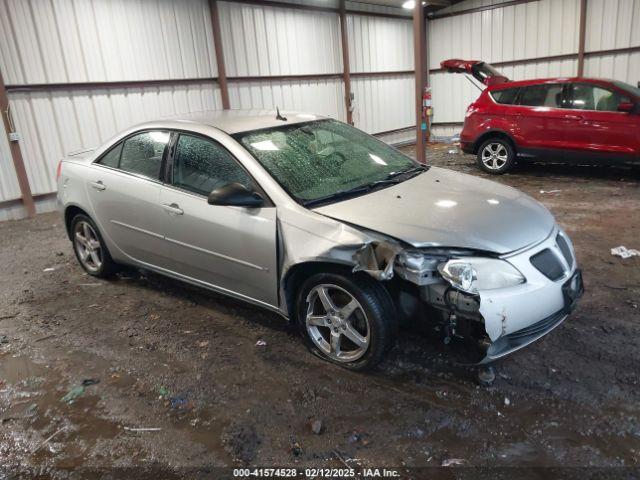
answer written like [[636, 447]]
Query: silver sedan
[[325, 225]]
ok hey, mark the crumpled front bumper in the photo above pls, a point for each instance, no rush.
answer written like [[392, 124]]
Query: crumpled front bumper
[[572, 290]]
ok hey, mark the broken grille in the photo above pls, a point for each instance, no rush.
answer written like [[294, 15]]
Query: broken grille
[[548, 263]]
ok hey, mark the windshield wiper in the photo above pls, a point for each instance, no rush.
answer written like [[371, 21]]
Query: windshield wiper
[[414, 169], [352, 191]]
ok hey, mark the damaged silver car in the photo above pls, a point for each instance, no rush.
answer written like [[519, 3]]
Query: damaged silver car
[[326, 225]]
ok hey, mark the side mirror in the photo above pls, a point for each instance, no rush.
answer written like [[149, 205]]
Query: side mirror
[[626, 107], [235, 195]]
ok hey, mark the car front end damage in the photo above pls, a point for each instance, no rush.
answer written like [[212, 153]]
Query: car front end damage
[[495, 303]]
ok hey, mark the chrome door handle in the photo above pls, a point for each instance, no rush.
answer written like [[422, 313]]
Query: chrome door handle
[[98, 185], [173, 208]]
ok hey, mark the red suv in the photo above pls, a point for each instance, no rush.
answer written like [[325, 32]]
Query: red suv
[[582, 120]]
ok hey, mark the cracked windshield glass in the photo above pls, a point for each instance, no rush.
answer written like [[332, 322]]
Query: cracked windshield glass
[[322, 161]]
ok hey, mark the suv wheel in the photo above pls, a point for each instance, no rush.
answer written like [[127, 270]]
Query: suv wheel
[[496, 156], [90, 249], [348, 323]]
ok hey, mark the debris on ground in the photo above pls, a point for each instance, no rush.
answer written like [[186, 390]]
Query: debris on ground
[[261, 343], [73, 394], [49, 269], [57, 432], [624, 252], [78, 390], [507, 402], [163, 392], [550, 191], [203, 344], [6, 316], [452, 461], [4, 339], [296, 449], [317, 426], [179, 403], [143, 429]]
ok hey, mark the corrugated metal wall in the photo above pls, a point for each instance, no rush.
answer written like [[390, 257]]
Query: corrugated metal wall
[[97, 41], [613, 24], [77, 41], [382, 103]]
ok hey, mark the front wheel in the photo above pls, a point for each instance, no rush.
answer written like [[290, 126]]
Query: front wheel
[[346, 322], [496, 156]]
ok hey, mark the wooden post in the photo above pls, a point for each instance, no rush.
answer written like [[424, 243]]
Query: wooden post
[[346, 69], [217, 44], [582, 38], [16, 153], [419, 41]]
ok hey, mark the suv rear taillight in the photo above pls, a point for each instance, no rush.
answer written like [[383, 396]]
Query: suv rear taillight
[[59, 170]]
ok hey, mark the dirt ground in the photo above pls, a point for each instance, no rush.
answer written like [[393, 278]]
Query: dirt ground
[[184, 362]]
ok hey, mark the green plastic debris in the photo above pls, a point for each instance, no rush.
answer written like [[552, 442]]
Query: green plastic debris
[[164, 392], [74, 393]]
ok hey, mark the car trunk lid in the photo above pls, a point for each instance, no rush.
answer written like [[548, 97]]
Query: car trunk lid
[[484, 72]]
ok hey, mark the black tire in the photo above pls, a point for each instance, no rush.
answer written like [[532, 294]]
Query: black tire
[[375, 303], [504, 159], [107, 267]]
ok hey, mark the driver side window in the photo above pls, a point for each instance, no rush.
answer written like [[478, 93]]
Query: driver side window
[[200, 166]]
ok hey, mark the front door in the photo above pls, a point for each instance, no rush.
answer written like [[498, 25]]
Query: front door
[[124, 189], [230, 248], [598, 126]]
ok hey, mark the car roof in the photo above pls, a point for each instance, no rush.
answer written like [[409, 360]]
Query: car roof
[[236, 121], [540, 81]]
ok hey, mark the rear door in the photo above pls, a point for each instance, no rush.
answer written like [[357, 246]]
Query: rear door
[[597, 125], [124, 190], [540, 116], [231, 248]]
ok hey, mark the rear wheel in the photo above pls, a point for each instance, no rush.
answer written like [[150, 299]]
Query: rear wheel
[[348, 323], [90, 249], [496, 156]]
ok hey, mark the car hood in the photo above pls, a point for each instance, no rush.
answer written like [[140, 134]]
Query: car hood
[[444, 208]]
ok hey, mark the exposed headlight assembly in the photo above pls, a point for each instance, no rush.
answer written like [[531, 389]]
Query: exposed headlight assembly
[[473, 274]]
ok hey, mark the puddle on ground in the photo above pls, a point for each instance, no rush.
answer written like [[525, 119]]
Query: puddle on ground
[[15, 369]]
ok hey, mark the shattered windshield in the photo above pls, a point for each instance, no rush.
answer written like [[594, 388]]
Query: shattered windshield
[[326, 160]]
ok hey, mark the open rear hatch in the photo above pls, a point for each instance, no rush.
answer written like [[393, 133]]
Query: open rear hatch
[[484, 72]]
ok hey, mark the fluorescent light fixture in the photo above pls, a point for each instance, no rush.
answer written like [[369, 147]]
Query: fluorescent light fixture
[[265, 146], [377, 159], [409, 4], [493, 201]]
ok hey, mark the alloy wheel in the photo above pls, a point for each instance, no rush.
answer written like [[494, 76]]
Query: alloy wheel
[[337, 323], [494, 156], [87, 245]]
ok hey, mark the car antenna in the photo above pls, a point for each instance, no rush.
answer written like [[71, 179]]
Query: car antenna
[[280, 117]]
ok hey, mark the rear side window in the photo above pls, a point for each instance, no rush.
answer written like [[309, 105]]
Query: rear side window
[[142, 154], [112, 157], [590, 97], [506, 96], [542, 96], [201, 166]]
